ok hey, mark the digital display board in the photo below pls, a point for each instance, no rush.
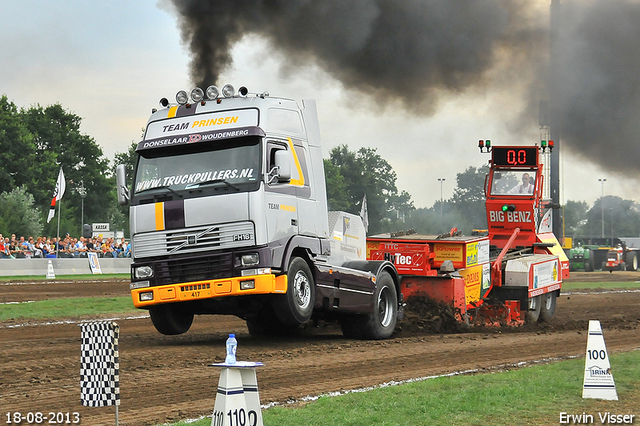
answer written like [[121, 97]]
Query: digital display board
[[515, 156]]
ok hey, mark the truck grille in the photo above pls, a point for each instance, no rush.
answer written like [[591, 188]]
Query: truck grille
[[193, 240], [186, 270]]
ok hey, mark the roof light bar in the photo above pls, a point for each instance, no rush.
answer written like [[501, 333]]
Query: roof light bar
[[212, 92], [182, 97], [228, 91], [197, 94]]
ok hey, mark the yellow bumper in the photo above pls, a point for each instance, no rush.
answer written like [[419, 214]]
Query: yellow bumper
[[263, 284]]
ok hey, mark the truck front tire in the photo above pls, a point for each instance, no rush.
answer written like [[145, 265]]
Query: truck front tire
[[296, 306], [170, 319]]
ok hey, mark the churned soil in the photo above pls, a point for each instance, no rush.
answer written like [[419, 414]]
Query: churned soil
[[167, 378]]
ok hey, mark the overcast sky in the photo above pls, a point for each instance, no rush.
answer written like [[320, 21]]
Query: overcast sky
[[111, 62]]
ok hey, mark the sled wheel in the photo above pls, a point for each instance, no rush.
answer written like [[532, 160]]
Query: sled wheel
[[533, 313], [547, 306]]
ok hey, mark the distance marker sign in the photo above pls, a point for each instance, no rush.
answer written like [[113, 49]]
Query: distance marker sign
[[598, 380]]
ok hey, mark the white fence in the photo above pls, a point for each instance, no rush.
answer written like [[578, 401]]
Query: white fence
[[62, 266]]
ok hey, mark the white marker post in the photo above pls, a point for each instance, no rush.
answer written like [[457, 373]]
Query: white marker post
[[598, 380], [51, 275], [238, 401]]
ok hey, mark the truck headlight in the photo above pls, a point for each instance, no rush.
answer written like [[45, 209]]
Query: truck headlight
[[146, 296], [139, 284], [143, 272], [250, 259]]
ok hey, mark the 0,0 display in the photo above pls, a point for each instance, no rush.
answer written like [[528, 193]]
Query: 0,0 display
[[515, 156]]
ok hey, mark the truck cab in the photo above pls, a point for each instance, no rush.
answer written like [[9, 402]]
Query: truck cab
[[228, 215]]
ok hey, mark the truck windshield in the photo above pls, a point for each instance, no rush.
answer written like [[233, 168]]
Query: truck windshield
[[514, 182], [233, 166]]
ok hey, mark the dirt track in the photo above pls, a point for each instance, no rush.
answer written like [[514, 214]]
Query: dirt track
[[167, 378]]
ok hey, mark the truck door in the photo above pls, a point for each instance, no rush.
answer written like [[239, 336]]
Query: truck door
[[280, 197]]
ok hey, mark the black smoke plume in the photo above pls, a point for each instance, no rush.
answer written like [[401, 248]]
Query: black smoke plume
[[420, 51]]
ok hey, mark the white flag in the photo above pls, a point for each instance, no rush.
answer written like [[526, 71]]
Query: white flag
[[57, 194], [364, 213]]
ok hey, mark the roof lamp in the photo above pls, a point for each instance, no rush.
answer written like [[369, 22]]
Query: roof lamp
[[197, 94], [164, 102], [481, 143], [243, 91], [543, 144], [488, 143], [212, 92], [181, 97], [228, 91]]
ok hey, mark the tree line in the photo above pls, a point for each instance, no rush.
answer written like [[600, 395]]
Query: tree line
[[35, 142]]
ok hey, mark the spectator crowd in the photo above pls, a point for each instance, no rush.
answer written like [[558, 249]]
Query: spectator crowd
[[68, 247]]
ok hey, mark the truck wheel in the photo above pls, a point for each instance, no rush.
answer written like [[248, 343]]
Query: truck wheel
[[380, 323], [296, 306], [631, 259], [535, 306], [547, 306], [170, 319]]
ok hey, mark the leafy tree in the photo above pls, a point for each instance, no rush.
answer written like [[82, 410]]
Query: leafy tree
[[18, 215], [119, 215], [575, 217], [336, 188], [21, 164], [366, 172], [127, 158], [621, 218], [468, 201], [59, 142]]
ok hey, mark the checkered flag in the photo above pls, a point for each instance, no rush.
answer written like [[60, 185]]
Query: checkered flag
[[100, 365]]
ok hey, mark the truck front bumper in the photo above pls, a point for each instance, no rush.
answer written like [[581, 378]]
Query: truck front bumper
[[207, 289]]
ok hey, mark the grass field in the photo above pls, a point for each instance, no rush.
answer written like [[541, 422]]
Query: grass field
[[534, 395], [69, 307]]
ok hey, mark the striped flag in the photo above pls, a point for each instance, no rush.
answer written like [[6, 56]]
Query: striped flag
[[57, 194]]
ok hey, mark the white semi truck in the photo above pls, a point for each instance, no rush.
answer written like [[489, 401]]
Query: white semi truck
[[228, 215]]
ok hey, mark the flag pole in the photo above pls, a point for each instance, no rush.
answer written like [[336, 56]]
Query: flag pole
[[58, 243]]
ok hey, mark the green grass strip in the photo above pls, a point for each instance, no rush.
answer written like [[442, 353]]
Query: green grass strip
[[69, 307], [534, 395], [572, 286], [65, 277]]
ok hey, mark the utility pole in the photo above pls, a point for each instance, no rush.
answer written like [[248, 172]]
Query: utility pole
[[602, 181], [555, 118], [441, 180]]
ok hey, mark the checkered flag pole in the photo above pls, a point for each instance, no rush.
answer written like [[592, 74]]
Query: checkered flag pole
[[100, 365]]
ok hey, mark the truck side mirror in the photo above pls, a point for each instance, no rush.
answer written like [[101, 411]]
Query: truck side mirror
[[121, 185], [282, 162]]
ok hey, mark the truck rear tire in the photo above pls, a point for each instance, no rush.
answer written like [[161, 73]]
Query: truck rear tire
[[170, 319], [296, 306], [381, 323], [533, 313], [547, 306]]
